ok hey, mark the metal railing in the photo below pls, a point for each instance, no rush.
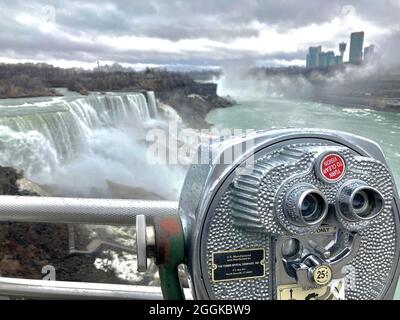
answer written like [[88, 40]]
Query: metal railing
[[81, 211], [78, 211]]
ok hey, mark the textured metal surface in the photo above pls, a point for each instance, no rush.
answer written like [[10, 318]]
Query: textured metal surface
[[211, 184], [209, 179], [250, 210], [229, 216], [222, 236], [274, 184], [83, 211]]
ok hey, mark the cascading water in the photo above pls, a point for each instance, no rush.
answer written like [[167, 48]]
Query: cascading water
[[90, 147], [75, 146], [152, 104]]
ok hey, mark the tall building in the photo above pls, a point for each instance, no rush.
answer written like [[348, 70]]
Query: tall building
[[342, 48], [332, 61], [313, 57], [356, 47], [326, 59], [369, 53], [339, 60]]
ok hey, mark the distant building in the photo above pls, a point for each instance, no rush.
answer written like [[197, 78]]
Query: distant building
[[332, 61], [339, 60], [342, 49], [313, 57], [326, 59], [356, 47], [369, 53], [323, 60]]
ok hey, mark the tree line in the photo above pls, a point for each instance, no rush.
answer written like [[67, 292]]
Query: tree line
[[28, 79]]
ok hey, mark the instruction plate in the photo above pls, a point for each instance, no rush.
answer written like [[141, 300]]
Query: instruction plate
[[334, 291]]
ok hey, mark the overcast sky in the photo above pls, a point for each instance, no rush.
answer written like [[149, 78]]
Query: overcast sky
[[190, 33]]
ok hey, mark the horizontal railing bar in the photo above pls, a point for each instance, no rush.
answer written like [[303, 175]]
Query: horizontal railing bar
[[42, 289], [81, 210]]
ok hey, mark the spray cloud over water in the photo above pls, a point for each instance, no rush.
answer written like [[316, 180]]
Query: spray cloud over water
[[246, 82], [77, 147]]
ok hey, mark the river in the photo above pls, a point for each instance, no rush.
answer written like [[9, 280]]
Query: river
[[269, 113]]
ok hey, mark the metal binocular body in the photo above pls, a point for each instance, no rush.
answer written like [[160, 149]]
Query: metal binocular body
[[300, 214]]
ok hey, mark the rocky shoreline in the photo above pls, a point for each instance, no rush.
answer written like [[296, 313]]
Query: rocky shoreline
[[193, 108], [374, 103], [191, 99]]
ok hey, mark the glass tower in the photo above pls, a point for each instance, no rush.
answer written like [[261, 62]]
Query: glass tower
[[356, 47]]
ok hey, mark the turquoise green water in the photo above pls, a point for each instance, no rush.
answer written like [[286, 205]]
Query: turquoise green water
[[269, 113], [382, 127]]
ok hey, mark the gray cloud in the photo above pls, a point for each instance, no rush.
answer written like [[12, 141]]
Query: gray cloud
[[222, 21]]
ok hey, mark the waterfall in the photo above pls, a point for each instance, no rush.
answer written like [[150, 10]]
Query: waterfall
[[76, 145], [66, 126], [81, 143], [106, 110], [23, 128], [88, 147], [152, 104]]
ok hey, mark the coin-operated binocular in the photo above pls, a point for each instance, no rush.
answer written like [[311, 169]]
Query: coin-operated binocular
[[312, 215], [283, 214]]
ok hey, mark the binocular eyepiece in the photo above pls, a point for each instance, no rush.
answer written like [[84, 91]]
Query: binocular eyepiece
[[305, 205], [357, 201]]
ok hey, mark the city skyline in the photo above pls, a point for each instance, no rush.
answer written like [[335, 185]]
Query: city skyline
[[188, 33], [358, 54]]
